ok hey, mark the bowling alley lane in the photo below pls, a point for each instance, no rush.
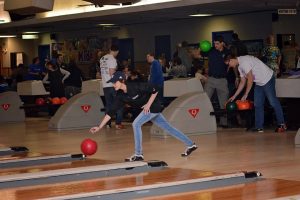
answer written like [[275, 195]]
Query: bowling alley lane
[[260, 190], [54, 166], [106, 185]]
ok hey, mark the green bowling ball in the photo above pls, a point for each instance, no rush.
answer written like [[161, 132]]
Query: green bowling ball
[[205, 45], [231, 106]]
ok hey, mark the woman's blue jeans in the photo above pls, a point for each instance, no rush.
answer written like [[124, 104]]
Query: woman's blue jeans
[[260, 93], [159, 120]]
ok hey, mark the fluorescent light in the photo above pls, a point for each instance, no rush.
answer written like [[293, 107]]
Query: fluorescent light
[[201, 15], [106, 24], [29, 37], [4, 15], [31, 32], [65, 8], [7, 36]]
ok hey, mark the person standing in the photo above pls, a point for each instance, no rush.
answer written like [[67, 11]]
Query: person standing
[[272, 55], [156, 75], [185, 56], [55, 78], [108, 66], [217, 73], [252, 70], [36, 71], [142, 95], [60, 62], [73, 83], [289, 56]]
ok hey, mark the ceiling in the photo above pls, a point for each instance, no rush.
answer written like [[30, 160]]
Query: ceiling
[[168, 11]]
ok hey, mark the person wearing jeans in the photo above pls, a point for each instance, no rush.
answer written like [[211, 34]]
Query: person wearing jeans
[[251, 70], [141, 95]]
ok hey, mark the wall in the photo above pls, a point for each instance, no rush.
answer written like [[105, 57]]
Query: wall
[[19, 45], [248, 26], [287, 24], [191, 30]]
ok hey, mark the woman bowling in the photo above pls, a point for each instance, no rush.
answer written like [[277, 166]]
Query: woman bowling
[[142, 95]]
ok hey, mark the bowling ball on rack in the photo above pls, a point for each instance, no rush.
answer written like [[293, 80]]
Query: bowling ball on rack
[[40, 101], [63, 100], [55, 101], [231, 106], [88, 147]]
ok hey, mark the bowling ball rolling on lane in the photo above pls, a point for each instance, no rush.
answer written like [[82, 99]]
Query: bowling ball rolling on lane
[[88, 147]]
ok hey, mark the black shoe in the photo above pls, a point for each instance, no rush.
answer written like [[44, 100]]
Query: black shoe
[[257, 130], [189, 150], [134, 158], [281, 128]]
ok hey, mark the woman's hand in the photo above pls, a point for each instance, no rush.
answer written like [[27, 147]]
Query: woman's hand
[[94, 129], [146, 108], [244, 98]]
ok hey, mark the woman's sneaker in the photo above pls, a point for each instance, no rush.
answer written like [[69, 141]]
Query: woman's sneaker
[[189, 150], [257, 130], [281, 128], [134, 158]]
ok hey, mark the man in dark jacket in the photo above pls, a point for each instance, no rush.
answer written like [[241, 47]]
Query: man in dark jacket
[[141, 95]]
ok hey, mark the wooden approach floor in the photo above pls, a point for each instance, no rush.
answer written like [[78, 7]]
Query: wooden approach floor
[[228, 151], [265, 189]]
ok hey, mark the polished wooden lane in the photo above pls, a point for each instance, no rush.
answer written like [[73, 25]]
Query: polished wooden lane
[[23, 155], [230, 150], [54, 166], [259, 190], [111, 184], [227, 151], [39, 160], [12, 150], [80, 170]]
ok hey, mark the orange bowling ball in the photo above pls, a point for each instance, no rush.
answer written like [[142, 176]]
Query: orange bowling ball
[[55, 101], [244, 105], [63, 100], [88, 147]]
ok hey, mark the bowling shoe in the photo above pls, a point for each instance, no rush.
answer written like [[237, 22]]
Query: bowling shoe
[[189, 150], [120, 126], [257, 130], [134, 158], [281, 128]]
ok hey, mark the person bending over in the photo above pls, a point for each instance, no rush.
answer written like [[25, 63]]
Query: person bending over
[[142, 95], [252, 70]]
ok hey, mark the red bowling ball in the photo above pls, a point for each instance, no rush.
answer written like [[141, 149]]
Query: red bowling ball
[[88, 147], [40, 101]]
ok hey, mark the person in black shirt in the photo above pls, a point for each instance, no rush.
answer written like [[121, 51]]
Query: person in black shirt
[[217, 72], [55, 78], [141, 95], [74, 82]]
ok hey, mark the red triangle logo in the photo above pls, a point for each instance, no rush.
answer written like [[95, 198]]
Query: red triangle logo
[[86, 108], [194, 112], [5, 106]]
